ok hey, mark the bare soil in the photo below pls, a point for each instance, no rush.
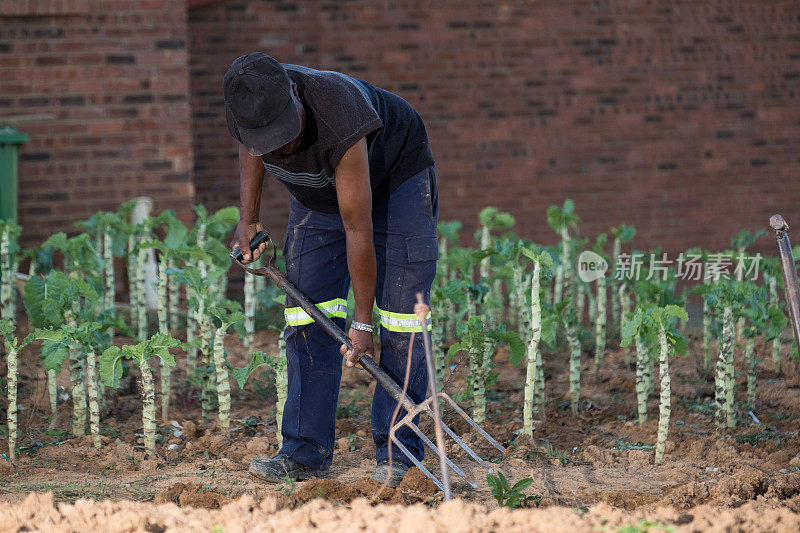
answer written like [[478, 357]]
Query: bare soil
[[593, 471]]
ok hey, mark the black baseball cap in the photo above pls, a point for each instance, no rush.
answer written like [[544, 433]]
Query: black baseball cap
[[259, 107]]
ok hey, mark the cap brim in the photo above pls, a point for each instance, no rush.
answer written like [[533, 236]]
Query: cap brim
[[281, 131]]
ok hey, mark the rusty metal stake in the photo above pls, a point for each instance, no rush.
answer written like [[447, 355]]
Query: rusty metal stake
[[789, 272]]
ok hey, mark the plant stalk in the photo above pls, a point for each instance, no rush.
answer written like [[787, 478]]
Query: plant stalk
[[580, 301], [52, 393], [721, 381], [148, 408], [600, 324], [558, 287], [534, 337], [133, 291], [11, 381], [141, 298], [77, 383], [641, 380], [174, 291], [624, 309], [94, 407], [615, 300], [479, 382], [108, 271], [206, 333], [223, 385], [439, 363], [574, 367], [6, 276], [163, 328], [707, 317], [475, 358], [664, 409], [750, 361], [729, 385]]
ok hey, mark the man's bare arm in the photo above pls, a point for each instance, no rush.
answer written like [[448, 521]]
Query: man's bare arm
[[251, 178], [354, 195], [355, 205]]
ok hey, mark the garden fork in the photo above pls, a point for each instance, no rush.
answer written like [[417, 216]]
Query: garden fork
[[367, 363]]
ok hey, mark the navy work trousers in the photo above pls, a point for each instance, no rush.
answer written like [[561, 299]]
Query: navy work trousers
[[404, 228]]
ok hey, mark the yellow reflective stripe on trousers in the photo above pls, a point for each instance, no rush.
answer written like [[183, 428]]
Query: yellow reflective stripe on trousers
[[402, 322], [295, 316]]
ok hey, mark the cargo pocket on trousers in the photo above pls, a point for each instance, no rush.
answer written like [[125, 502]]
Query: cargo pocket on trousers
[[423, 248]]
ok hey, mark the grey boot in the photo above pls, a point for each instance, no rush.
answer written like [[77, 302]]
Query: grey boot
[[394, 474], [278, 468]]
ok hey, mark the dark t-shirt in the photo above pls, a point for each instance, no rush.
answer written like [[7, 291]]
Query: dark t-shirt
[[340, 110]]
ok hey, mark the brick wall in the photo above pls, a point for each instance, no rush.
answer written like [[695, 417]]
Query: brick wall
[[681, 118], [102, 88]]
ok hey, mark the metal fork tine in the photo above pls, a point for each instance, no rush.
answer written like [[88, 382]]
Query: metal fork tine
[[432, 446], [416, 462], [408, 421], [472, 423], [464, 446]]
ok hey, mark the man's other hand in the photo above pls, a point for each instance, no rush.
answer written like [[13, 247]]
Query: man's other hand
[[363, 344], [245, 231]]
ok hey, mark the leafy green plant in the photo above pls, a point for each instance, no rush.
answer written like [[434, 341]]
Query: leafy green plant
[[480, 342], [740, 242], [287, 486], [448, 237], [531, 330], [459, 296], [600, 312], [226, 314], [170, 252], [652, 324], [207, 234], [491, 219], [625, 444], [107, 232], [52, 302], [644, 526], [443, 308], [567, 317], [203, 289], [91, 335], [773, 277], [727, 298], [278, 366], [758, 317], [562, 220], [621, 234], [511, 496], [111, 371]]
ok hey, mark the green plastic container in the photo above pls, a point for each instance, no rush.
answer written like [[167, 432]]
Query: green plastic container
[[10, 140]]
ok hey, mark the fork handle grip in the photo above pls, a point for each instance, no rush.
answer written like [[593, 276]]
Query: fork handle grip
[[258, 239]]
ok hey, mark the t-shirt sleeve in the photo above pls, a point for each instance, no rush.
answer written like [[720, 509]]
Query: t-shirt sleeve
[[348, 115], [347, 142]]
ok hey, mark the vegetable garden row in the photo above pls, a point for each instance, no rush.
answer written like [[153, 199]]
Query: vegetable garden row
[[504, 290]]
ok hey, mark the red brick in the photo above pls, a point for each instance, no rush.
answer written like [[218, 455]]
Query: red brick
[[88, 141]]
